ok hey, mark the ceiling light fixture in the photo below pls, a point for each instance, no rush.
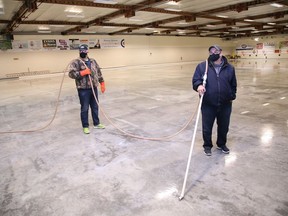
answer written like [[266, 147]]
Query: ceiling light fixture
[[276, 5], [73, 10], [182, 23], [57, 26], [248, 20], [172, 9], [44, 32], [43, 28], [75, 15], [172, 3], [271, 23], [1, 7], [105, 1], [221, 16], [134, 20]]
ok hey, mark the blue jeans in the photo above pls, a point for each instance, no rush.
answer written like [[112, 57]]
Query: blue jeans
[[87, 99], [222, 115]]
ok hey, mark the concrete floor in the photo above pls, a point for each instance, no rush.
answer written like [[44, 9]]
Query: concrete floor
[[60, 171]]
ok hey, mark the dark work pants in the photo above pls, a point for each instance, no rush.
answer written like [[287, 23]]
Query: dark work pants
[[87, 99], [222, 115]]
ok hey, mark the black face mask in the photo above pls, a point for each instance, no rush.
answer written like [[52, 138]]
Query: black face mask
[[83, 55], [214, 57]]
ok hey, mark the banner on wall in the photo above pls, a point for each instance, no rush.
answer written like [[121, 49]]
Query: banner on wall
[[74, 44], [49, 44], [245, 47], [62, 44], [34, 44], [94, 44], [19, 45], [112, 43], [283, 46], [259, 46], [269, 47]]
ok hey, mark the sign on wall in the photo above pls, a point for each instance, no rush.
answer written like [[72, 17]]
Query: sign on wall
[[65, 44]]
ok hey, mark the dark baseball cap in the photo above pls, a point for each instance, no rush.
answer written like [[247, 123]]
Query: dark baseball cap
[[83, 48], [216, 47]]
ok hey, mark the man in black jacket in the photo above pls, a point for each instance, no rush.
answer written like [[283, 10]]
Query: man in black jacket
[[218, 94]]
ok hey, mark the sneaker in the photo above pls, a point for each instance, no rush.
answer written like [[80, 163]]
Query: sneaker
[[86, 130], [224, 149], [99, 126], [207, 151]]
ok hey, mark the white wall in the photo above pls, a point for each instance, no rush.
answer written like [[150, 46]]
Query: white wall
[[139, 50]]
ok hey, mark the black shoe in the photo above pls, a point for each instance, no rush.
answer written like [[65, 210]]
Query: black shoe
[[207, 151], [224, 149]]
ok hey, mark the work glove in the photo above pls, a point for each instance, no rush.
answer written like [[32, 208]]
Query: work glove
[[102, 84], [85, 72]]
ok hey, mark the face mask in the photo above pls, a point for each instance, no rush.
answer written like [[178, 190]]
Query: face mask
[[214, 57], [83, 55]]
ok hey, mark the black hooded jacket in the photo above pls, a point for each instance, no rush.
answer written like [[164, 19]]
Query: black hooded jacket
[[220, 89]]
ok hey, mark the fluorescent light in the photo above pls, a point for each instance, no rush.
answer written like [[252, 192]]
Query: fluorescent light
[[248, 20], [276, 5], [181, 31], [172, 3], [210, 25], [57, 26], [109, 27], [44, 31], [43, 28], [134, 20], [73, 10], [1, 7], [75, 15], [182, 23], [90, 32], [105, 1], [271, 23], [172, 9], [221, 16]]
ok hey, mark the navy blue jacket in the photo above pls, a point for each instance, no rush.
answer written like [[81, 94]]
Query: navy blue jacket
[[220, 89]]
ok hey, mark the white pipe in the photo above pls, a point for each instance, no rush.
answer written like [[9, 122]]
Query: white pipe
[[194, 134]]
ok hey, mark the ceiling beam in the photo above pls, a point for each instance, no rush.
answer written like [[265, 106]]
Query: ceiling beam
[[28, 6]]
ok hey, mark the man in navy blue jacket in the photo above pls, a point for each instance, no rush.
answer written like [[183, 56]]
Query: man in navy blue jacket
[[218, 94]]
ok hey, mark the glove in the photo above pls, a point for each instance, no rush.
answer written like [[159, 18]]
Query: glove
[[102, 84], [85, 72]]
